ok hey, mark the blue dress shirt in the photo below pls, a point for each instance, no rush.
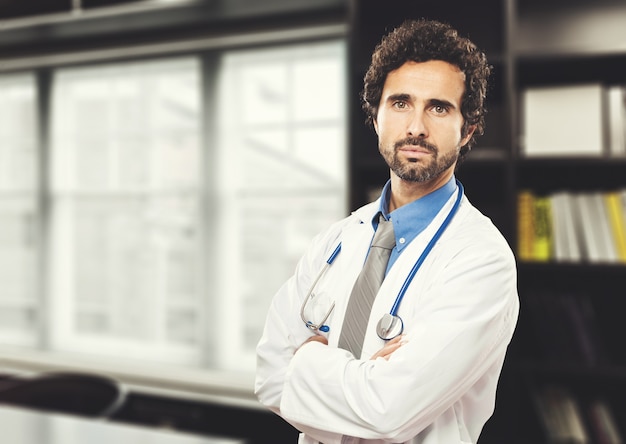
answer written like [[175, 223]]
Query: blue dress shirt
[[411, 219]]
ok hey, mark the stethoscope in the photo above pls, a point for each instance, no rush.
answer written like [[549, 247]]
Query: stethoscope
[[391, 324]]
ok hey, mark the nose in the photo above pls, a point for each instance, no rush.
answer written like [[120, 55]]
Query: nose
[[416, 125]]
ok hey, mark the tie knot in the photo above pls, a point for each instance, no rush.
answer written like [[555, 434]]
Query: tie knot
[[384, 236]]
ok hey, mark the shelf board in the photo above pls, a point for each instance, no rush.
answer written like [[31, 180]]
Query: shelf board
[[572, 269], [606, 373], [553, 55], [551, 29], [487, 154], [569, 161]]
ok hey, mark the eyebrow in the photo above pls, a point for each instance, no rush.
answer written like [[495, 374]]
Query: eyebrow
[[443, 103], [400, 96]]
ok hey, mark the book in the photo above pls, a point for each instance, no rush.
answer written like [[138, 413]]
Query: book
[[551, 114], [616, 104], [565, 228], [561, 415], [596, 232], [565, 328], [622, 195], [549, 416], [603, 227], [617, 220], [603, 423], [553, 331], [580, 317], [525, 224], [542, 239]]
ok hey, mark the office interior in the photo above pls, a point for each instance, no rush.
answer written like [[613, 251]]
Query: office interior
[[164, 163]]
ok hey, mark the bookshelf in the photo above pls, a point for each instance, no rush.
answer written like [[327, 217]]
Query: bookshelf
[[531, 44], [567, 353]]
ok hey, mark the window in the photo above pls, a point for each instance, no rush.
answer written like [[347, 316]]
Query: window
[[167, 230], [125, 233], [19, 216], [282, 175]]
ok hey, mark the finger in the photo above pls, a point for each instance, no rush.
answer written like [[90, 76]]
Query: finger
[[389, 347]]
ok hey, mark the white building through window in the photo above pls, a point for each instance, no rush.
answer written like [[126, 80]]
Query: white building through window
[[168, 227], [125, 227], [20, 317], [282, 176]]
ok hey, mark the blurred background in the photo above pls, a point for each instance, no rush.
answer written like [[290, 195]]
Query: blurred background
[[164, 164]]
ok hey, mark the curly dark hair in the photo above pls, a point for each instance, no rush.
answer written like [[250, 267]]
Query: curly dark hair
[[420, 41]]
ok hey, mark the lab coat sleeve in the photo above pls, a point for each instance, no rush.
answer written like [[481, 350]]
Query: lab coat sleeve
[[459, 333], [277, 347], [284, 330]]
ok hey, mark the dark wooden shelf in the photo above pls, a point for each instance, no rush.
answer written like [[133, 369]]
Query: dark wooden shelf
[[579, 373], [495, 171]]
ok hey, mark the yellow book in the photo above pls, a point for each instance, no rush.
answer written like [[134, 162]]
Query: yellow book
[[543, 239], [525, 225], [615, 211]]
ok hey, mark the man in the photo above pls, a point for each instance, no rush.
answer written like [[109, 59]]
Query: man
[[435, 340]]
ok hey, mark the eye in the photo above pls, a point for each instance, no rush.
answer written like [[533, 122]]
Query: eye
[[400, 104], [440, 109]]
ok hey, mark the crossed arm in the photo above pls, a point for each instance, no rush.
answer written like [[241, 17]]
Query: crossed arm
[[385, 352]]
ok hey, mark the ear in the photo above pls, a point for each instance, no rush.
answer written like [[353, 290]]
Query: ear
[[375, 123], [468, 136]]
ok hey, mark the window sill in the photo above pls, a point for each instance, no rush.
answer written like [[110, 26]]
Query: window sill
[[206, 385]]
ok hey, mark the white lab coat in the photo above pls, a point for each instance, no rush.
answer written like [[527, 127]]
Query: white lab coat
[[459, 314]]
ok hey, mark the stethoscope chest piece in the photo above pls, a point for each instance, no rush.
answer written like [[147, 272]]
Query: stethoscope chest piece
[[389, 326]]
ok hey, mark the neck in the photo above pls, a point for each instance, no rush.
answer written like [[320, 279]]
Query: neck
[[404, 192]]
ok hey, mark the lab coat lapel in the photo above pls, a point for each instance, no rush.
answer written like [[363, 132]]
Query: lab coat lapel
[[397, 275]]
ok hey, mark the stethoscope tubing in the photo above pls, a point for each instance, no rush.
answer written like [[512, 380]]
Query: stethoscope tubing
[[429, 247], [407, 281]]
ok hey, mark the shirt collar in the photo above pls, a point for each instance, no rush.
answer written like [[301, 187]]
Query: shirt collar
[[411, 219]]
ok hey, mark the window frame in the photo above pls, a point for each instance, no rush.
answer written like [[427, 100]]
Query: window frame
[[224, 386]]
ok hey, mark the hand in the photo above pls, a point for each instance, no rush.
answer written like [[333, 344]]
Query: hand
[[390, 347], [315, 338]]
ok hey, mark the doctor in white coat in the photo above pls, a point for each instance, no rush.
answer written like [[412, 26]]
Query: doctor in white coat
[[436, 380]]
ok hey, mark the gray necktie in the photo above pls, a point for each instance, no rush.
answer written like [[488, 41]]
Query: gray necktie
[[365, 289]]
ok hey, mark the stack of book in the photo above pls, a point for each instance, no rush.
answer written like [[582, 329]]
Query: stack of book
[[567, 420], [572, 227], [553, 115], [566, 329]]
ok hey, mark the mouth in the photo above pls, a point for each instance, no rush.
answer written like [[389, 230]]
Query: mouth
[[414, 151], [412, 147]]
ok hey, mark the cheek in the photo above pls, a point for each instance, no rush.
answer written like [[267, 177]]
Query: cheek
[[452, 130], [387, 125], [386, 137]]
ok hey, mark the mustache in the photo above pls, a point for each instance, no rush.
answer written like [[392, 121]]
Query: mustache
[[415, 141]]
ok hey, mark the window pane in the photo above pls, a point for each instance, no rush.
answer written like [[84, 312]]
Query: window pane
[[282, 176], [18, 133], [19, 216], [125, 210], [157, 249]]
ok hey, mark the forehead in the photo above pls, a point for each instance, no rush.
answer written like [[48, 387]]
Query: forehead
[[429, 80]]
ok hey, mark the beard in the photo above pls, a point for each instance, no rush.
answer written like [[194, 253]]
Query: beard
[[415, 170]]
